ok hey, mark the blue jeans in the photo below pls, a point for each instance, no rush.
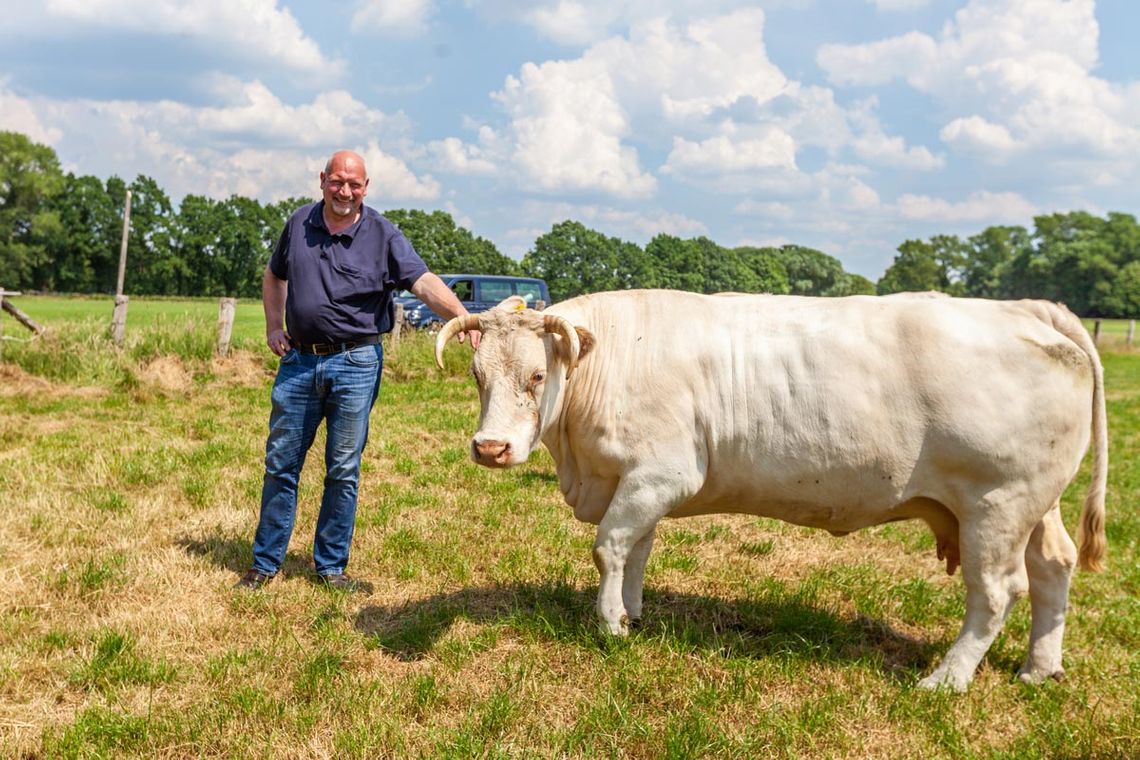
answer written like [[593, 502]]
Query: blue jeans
[[340, 388]]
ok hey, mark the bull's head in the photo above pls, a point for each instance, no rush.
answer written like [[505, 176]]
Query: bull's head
[[519, 371]]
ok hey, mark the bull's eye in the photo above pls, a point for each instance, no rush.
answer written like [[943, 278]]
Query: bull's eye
[[537, 378]]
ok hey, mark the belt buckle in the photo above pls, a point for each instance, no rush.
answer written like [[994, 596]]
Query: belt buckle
[[323, 349]]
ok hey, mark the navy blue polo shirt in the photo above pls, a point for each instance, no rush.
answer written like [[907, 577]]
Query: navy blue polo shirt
[[341, 286]]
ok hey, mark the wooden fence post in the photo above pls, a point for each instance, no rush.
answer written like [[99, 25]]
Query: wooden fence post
[[1131, 330], [397, 326], [21, 317], [1096, 332], [226, 309], [2, 303], [119, 318]]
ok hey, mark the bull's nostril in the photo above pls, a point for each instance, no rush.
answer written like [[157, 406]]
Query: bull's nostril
[[487, 452]]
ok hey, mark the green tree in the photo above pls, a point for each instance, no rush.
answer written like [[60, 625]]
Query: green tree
[[635, 267], [810, 272], [767, 267], [83, 253], [1124, 299], [926, 265], [224, 245], [989, 257], [30, 178], [573, 260], [850, 284], [448, 248], [154, 265], [679, 264]]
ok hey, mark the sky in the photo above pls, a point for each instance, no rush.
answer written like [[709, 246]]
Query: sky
[[845, 125]]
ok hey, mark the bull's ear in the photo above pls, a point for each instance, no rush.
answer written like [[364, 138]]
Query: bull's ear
[[586, 341], [512, 303]]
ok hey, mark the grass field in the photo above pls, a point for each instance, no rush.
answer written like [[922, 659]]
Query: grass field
[[129, 485]]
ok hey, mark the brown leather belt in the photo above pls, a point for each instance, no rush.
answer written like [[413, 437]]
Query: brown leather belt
[[324, 349]]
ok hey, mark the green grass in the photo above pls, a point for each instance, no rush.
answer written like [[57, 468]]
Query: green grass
[[50, 311], [128, 496]]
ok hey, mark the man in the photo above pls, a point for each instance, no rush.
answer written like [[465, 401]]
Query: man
[[331, 277]]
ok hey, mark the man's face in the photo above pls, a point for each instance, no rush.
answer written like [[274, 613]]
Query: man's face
[[344, 187]]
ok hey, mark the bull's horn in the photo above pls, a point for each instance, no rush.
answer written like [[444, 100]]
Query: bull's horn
[[559, 326], [464, 323]]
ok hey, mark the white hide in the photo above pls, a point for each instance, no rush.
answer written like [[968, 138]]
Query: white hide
[[831, 413]]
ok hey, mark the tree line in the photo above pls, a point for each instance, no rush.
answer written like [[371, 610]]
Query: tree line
[[61, 233]]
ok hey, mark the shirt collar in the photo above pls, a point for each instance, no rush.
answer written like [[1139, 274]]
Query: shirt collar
[[317, 219]]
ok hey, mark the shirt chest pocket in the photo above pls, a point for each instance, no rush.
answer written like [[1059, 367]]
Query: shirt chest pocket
[[347, 280]]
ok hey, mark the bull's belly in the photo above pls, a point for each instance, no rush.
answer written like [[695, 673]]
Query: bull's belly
[[811, 510]]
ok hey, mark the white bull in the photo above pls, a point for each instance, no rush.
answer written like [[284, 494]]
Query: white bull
[[831, 413]]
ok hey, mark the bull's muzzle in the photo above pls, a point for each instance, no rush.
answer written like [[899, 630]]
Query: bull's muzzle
[[491, 453]]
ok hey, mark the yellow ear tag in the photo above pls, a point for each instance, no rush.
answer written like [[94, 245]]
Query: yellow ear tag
[[520, 306]]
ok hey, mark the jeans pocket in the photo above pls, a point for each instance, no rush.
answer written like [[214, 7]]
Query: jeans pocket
[[364, 356], [290, 356]]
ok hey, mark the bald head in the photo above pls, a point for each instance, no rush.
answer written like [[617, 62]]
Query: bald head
[[343, 157], [344, 183]]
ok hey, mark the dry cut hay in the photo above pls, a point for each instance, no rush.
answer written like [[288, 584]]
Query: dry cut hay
[[14, 381]]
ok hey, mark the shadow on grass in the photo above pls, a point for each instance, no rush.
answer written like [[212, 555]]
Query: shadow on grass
[[237, 554], [761, 628]]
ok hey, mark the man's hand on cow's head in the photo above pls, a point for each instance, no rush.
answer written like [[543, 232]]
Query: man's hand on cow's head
[[476, 336]]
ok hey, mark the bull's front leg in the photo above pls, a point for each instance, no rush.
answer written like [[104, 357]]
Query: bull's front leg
[[611, 550], [633, 582], [625, 537]]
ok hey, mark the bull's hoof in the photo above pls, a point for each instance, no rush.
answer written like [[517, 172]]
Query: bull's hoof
[[1034, 677], [937, 681], [619, 627]]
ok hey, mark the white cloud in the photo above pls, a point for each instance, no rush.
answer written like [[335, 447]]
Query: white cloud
[[1015, 75], [453, 155], [976, 134], [256, 29], [404, 17], [569, 22], [703, 91], [877, 63], [390, 179], [208, 150], [861, 196], [572, 122], [567, 127], [719, 155], [871, 143], [584, 22], [981, 206], [899, 5], [18, 115], [765, 209]]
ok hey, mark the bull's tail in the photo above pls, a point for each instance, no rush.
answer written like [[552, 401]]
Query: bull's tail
[[1090, 536]]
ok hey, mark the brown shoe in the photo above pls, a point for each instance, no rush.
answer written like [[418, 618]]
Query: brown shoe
[[253, 579], [340, 582]]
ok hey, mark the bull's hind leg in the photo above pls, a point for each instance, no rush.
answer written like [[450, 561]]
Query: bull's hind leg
[[993, 567], [1050, 557]]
